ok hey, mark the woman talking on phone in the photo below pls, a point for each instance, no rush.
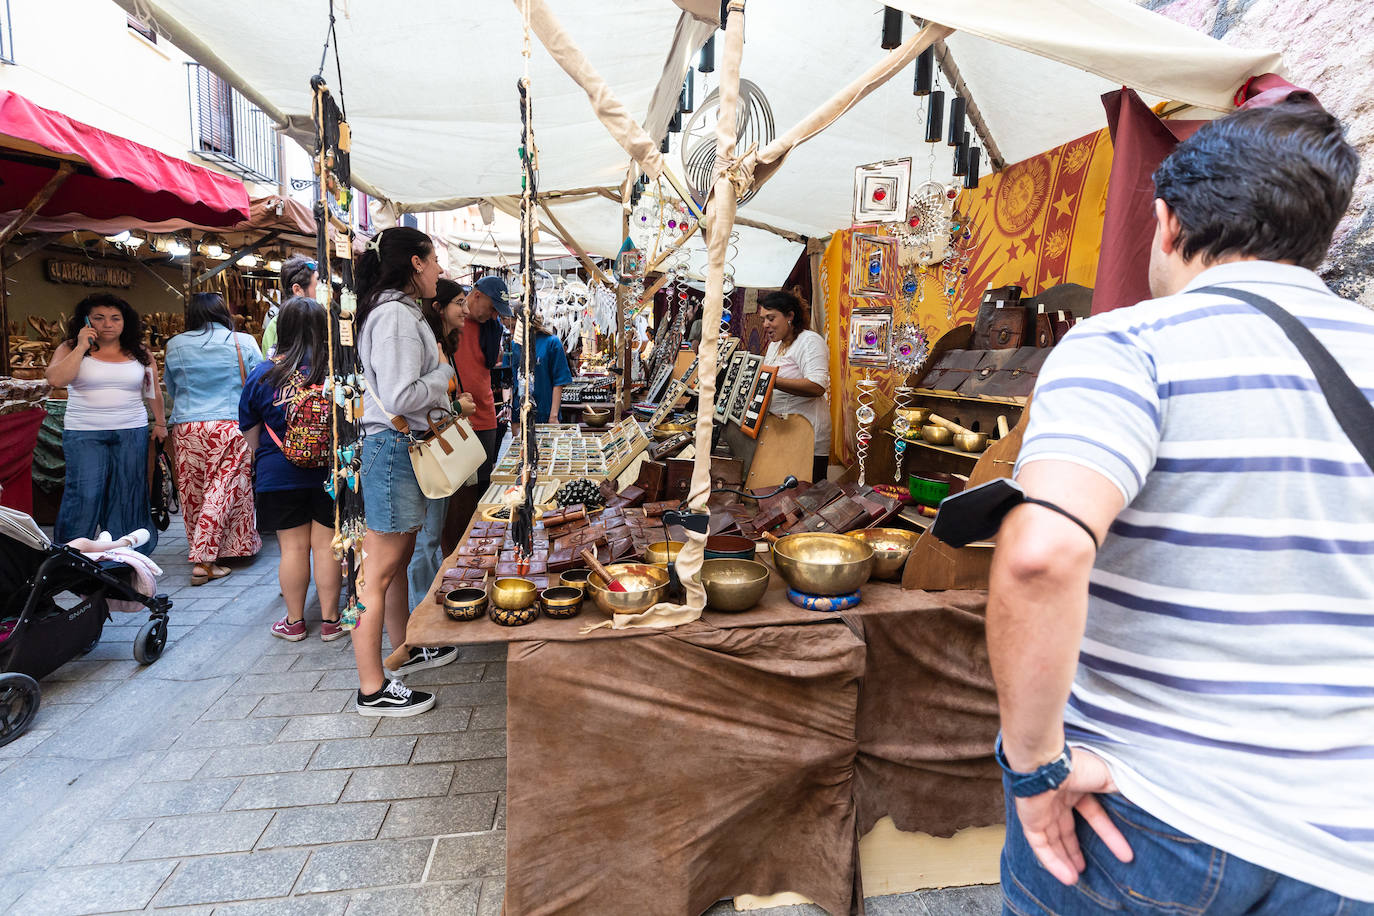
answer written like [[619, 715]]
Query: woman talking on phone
[[111, 384]]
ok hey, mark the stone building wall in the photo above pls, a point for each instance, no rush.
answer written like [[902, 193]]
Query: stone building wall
[[1327, 47]]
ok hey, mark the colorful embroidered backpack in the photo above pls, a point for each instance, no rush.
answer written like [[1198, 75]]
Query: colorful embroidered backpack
[[309, 440]]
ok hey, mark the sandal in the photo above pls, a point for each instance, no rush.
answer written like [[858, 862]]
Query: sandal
[[211, 571]]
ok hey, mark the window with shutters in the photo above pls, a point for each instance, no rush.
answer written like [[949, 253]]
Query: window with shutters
[[228, 129], [141, 27], [6, 34]]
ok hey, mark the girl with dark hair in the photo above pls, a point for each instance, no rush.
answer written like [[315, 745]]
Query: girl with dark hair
[[111, 383], [206, 369], [803, 361], [408, 375], [291, 500], [445, 314]]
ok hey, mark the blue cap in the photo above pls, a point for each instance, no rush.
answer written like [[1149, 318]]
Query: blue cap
[[494, 288]]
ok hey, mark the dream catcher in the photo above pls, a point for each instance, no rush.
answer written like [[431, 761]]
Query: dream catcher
[[344, 384]]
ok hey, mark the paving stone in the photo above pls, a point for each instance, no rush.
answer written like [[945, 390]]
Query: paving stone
[[102, 844], [55, 717], [896, 905], [476, 855], [362, 752], [341, 679], [305, 704], [495, 671], [324, 824], [463, 746], [426, 900], [201, 834], [235, 877], [178, 764], [434, 722], [973, 900], [493, 897], [15, 886], [327, 658], [347, 724], [286, 790], [487, 693], [500, 821], [168, 799], [414, 781], [488, 717], [108, 649], [97, 889], [27, 742], [438, 816], [231, 706], [379, 863], [232, 732], [251, 761], [143, 715], [90, 669], [479, 776], [271, 664], [58, 692], [295, 682], [332, 905], [213, 650], [487, 652], [452, 673]]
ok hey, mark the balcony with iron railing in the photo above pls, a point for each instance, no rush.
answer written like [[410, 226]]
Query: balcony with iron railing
[[229, 130]]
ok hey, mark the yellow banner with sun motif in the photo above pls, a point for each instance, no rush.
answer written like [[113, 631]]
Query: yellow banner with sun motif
[[1034, 224]]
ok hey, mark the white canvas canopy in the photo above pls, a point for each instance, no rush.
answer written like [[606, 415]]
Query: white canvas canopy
[[429, 87]]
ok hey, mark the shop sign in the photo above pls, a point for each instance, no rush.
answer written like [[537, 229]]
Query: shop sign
[[88, 274]]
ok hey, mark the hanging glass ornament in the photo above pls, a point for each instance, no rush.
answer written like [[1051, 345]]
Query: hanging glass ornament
[[865, 415], [901, 428]]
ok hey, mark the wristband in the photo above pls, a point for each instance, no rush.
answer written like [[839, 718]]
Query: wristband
[[1042, 779]]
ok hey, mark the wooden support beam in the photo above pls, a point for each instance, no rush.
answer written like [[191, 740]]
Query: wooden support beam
[[44, 195], [578, 251], [661, 282], [33, 247], [681, 240], [234, 258]]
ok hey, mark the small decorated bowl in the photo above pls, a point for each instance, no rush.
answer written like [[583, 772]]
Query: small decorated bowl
[[561, 601], [465, 603]]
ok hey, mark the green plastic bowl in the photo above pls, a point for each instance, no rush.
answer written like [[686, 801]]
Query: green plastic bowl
[[925, 491]]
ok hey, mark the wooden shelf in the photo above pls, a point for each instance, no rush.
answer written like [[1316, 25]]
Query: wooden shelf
[[977, 399], [947, 449]]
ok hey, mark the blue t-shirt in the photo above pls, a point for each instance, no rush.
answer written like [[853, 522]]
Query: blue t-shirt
[[550, 370], [260, 403]]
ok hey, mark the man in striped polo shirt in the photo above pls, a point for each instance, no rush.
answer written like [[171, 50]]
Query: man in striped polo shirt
[[1211, 665]]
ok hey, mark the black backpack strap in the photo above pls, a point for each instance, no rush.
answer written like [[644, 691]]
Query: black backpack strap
[[1352, 409]]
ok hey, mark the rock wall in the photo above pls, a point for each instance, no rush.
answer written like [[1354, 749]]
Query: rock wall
[[1324, 51]]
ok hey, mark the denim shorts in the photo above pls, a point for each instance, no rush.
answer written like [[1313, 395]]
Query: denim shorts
[[392, 501]]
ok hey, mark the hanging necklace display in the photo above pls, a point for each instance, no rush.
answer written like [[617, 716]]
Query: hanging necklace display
[[865, 415], [345, 381], [901, 428]]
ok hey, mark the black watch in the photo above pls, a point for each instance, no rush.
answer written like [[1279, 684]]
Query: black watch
[[1042, 779]]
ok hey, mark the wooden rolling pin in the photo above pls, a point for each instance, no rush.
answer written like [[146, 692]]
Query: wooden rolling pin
[[1002, 429], [948, 424]]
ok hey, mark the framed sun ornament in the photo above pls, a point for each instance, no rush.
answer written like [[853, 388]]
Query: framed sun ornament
[[872, 265], [880, 191], [870, 337]]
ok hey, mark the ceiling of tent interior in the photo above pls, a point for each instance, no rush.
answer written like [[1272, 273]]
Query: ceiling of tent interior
[[430, 91]]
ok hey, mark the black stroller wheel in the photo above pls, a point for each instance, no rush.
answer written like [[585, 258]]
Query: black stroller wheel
[[151, 640], [19, 697]]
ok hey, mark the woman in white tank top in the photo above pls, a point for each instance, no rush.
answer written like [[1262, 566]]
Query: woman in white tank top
[[109, 376]]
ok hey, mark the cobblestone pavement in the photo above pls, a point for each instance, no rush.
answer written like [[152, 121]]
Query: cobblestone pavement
[[233, 777]]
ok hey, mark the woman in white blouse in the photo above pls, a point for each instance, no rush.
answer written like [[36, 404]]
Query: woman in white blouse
[[803, 361]]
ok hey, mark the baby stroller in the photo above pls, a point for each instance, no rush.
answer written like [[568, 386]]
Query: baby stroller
[[53, 607]]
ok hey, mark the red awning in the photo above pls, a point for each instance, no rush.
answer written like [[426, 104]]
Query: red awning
[[115, 177]]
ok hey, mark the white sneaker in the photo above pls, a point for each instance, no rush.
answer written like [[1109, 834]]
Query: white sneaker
[[420, 659]]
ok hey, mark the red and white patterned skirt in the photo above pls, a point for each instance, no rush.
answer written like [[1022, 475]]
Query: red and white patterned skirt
[[215, 480]]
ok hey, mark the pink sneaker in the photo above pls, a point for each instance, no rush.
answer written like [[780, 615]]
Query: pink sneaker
[[284, 629], [330, 630]]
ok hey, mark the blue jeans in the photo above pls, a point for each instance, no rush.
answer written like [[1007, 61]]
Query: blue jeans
[[392, 501], [1172, 873], [106, 485], [429, 553]]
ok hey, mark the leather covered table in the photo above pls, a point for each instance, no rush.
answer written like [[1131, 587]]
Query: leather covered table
[[739, 754]]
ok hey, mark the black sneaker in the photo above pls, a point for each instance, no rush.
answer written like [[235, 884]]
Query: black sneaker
[[395, 699], [420, 659]]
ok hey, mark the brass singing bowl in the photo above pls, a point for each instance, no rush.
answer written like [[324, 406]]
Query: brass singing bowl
[[577, 578], [891, 547], [916, 416], [661, 553], [971, 442], [821, 564], [595, 418], [937, 435], [561, 601], [513, 594], [734, 585], [465, 603], [644, 587]]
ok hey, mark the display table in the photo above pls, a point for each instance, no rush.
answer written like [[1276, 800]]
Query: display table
[[739, 754]]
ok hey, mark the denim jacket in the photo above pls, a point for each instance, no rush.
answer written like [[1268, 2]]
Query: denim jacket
[[203, 373]]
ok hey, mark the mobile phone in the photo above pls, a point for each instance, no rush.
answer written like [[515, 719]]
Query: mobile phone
[[95, 343]]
